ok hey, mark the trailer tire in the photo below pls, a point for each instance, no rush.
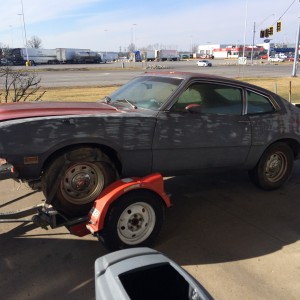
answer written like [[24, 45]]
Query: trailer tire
[[80, 175], [134, 220]]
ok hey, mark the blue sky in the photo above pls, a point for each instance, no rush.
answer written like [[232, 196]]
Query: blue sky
[[106, 25]]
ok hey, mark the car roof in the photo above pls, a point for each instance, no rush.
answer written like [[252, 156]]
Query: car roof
[[208, 77]]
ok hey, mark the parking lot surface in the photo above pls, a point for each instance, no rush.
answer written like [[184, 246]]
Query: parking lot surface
[[238, 241]]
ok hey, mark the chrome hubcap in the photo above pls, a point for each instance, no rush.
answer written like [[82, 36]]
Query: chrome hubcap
[[276, 167], [82, 183], [136, 223]]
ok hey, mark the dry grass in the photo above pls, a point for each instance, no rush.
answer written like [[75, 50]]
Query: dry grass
[[288, 88], [83, 94]]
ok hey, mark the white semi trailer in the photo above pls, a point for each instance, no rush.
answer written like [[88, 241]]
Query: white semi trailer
[[34, 56], [68, 55]]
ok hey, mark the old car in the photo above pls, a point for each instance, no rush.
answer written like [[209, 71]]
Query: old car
[[204, 63], [168, 122]]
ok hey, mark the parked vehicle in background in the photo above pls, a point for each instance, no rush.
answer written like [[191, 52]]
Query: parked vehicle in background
[[167, 55], [148, 55], [204, 63], [263, 56], [18, 56], [135, 56], [185, 56], [85, 57], [68, 55], [5, 62], [168, 122], [292, 59], [207, 56], [281, 55], [108, 56]]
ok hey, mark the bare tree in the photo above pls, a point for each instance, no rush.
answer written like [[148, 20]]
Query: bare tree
[[4, 50], [34, 42], [131, 47], [19, 85]]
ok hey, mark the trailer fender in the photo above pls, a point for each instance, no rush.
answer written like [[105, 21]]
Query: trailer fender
[[97, 214]]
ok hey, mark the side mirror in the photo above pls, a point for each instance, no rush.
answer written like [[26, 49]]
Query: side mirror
[[193, 108]]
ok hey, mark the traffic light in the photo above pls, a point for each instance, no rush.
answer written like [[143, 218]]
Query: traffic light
[[267, 32], [278, 26], [262, 33], [271, 30]]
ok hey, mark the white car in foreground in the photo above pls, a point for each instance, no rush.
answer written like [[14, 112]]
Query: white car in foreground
[[204, 63], [276, 59]]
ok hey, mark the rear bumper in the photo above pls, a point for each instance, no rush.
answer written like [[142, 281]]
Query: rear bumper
[[7, 171]]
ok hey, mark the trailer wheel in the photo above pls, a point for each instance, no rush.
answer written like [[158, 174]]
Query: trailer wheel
[[274, 167], [134, 220], [80, 176]]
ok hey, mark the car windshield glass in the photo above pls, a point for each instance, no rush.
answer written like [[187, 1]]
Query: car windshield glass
[[149, 92]]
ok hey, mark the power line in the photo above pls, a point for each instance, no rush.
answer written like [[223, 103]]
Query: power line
[[285, 11]]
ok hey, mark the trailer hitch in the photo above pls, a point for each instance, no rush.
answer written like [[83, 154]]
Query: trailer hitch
[[44, 215]]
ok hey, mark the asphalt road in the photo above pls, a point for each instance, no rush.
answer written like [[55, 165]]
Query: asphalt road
[[117, 73], [238, 241]]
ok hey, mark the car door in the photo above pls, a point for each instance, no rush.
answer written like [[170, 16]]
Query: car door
[[212, 133]]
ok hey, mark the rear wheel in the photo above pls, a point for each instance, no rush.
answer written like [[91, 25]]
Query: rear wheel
[[134, 220], [80, 176], [274, 168]]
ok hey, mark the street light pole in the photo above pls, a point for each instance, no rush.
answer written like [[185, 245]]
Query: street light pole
[[253, 41], [134, 36], [105, 30], [245, 28], [27, 58], [296, 56]]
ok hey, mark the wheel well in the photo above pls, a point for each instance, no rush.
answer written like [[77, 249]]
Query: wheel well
[[111, 153], [293, 144]]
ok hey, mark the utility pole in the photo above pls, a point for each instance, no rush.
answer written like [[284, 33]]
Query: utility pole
[[27, 58], [253, 41], [296, 56]]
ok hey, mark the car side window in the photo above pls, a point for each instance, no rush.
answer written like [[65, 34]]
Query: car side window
[[211, 98], [190, 96], [258, 104]]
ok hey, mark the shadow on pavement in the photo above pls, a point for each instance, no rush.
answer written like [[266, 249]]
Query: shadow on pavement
[[223, 217]]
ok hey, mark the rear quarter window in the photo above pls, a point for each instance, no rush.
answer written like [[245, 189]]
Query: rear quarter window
[[258, 104]]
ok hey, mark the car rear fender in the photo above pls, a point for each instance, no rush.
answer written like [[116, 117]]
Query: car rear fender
[[256, 152]]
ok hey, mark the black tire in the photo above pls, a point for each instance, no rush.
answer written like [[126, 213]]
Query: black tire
[[134, 220], [83, 173], [274, 167]]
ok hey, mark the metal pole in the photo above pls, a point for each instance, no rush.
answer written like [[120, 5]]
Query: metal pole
[[296, 56], [27, 58], [245, 28], [253, 41]]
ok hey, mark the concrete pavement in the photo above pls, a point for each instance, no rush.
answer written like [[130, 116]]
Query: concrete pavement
[[238, 241]]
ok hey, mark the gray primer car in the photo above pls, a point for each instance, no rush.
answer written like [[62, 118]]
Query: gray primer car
[[168, 122], [144, 273]]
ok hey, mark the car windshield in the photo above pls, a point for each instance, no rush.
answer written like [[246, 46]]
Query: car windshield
[[148, 92]]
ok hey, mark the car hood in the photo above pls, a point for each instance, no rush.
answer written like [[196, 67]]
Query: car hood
[[11, 111]]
